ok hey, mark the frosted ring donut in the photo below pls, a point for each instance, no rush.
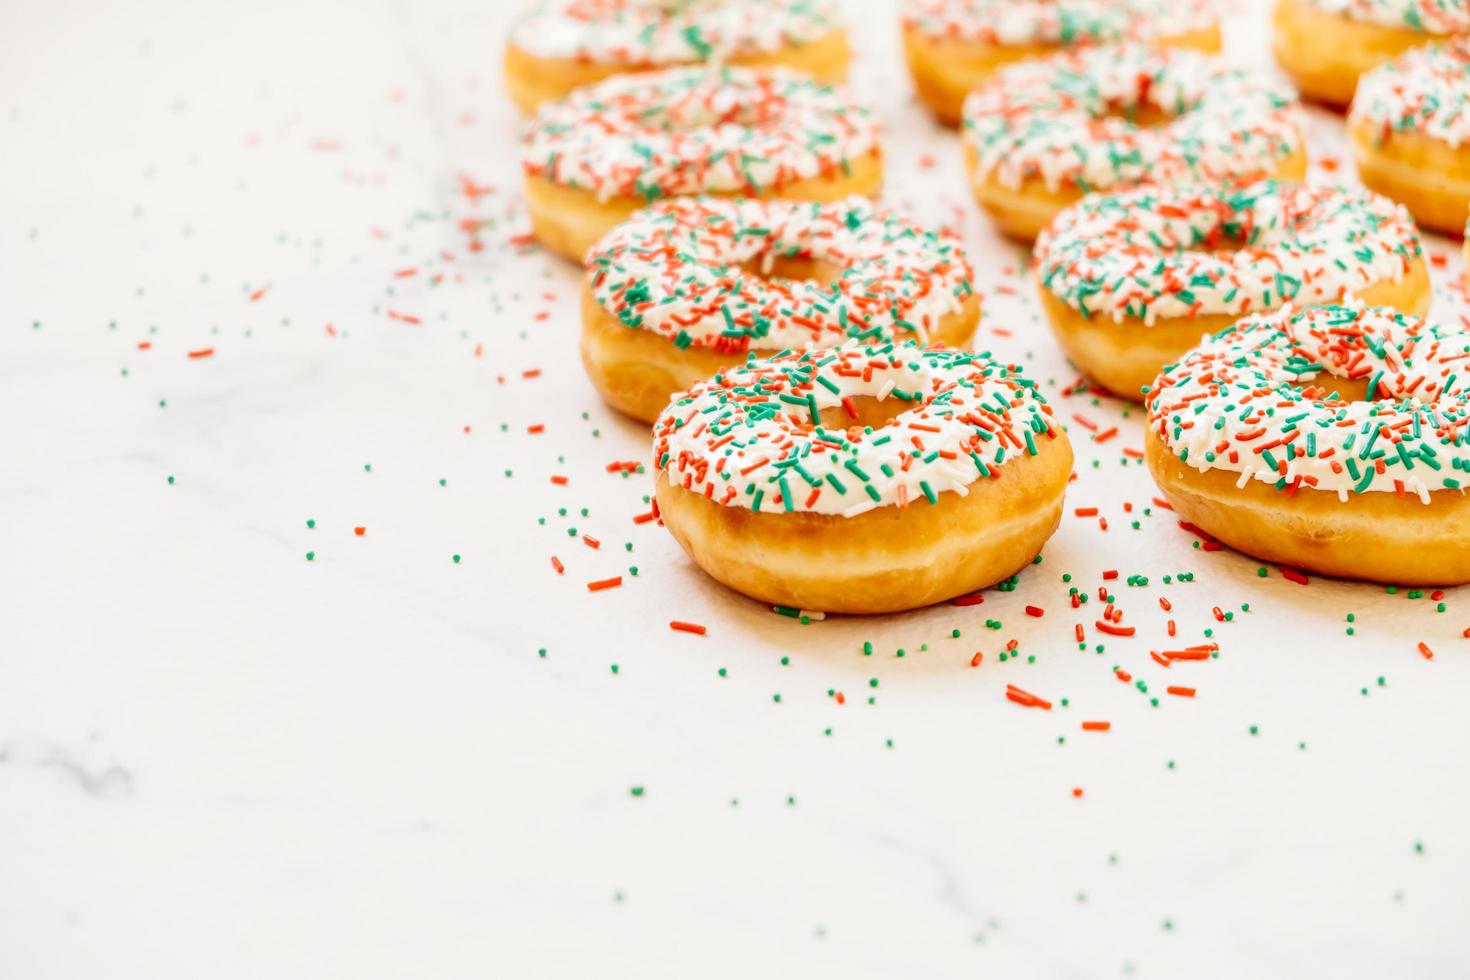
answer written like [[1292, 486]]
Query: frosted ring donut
[[952, 46], [1040, 134], [561, 45], [1410, 130], [597, 156], [1130, 281], [691, 286], [1326, 45], [1334, 439], [863, 478]]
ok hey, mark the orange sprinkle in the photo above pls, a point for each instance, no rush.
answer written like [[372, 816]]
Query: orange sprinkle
[[605, 583], [683, 627], [534, 430], [556, 564], [359, 531], [1427, 653], [975, 660], [560, 481], [1096, 726], [1077, 791], [1183, 692], [590, 541], [202, 352]]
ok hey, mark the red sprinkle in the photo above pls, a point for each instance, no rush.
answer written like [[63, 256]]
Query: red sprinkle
[[1291, 574], [1036, 611], [683, 627]]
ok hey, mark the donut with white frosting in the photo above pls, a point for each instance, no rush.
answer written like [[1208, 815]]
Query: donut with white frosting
[[1039, 134], [1410, 129], [861, 478], [1129, 281], [1335, 438]]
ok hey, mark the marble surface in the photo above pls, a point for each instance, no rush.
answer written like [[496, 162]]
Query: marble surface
[[221, 759]]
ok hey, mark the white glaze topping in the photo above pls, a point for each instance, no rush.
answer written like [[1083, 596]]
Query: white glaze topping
[[1426, 16], [1066, 119], [1063, 22], [1253, 400], [1156, 252], [679, 269], [669, 32], [1425, 91], [751, 437], [695, 130]]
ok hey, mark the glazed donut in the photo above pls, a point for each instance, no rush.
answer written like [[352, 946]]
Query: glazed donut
[[561, 45], [952, 46], [863, 478], [1325, 45], [1334, 439], [1131, 281], [1041, 133], [1410, 130], [690, 286], [602, 153]]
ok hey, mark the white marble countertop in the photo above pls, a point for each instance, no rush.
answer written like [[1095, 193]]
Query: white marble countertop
[[221, 759]]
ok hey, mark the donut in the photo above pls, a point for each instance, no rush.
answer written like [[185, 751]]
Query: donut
[[602, 153], [952, 46], [1130, 281], [1040, 134], [1325, 45], [1410, 130], [862, 478], [691, 286], [1334, 439], [561, 45]]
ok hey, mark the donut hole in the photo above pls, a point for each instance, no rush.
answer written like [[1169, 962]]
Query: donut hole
[[863, 411], [1142, 114], [776, 267], [1325, 384]]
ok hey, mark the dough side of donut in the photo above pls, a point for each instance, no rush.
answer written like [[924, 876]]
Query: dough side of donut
[[1324, 54], [1377, 536], [532, 80], [944, 70], [884, 560], [570, 220], [1427, 176], [1124, 355], [636, 371], [1021, 212]]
